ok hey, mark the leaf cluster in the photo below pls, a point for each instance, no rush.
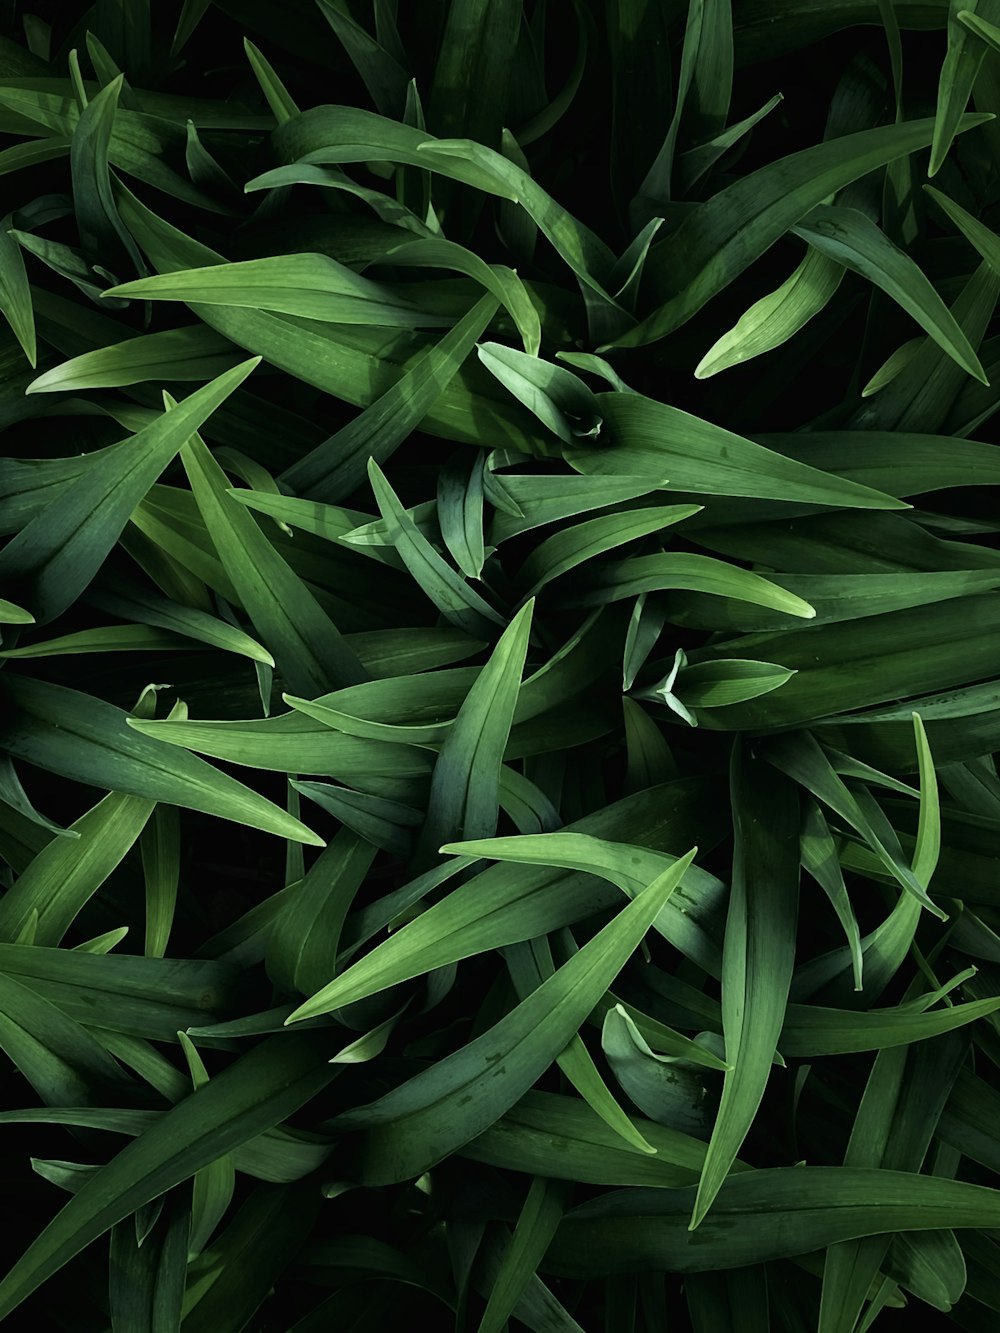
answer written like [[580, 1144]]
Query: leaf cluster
[[500, 608]]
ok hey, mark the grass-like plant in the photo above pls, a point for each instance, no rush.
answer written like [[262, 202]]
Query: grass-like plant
[[501, 665]]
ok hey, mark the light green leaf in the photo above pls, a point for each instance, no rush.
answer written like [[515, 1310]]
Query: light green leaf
[[777, 317], [684, 920], [10, 614], [847, 236]]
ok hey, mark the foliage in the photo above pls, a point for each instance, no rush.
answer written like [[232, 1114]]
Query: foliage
[[500, 618]]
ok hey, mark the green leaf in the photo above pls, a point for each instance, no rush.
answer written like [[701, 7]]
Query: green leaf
[[137, 604], [958, 75], [337, 466], [107, 639], [15, 291], [233, 1279], [500, 282], [559, 399], [529, 965], [278, 97], [904, 1097], [384, 78], [102, 232], [66, 874], [684, 920], [931, 1265], [313, 286], [530, 501], [776, 317], [695, 573], [471, 83], [818, 852], [193, 353], [721, 238], [13, 795], [410, 710], [563, 1138], [802, 758], [214, 1184], [760, 1216], [696, 162], [728, 681], [811, 1031], [850, 238], [53, 1051], [446, 589], [757, 960], [705, 76], [146, 1281], [460, 515], [537, 1223], [347, 134], [14, 615], [464, 795], [666, 1092], [89, 741], [643, 437], [260, 1090], [839, 597], [160, 847], [308, 648], [574, 546], [313, 353], [980, 237], [922, 395], [437, 1111], [305, 938], [55, 556]]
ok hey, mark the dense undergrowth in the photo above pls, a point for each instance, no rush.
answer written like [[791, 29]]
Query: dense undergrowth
[[501, 665]]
